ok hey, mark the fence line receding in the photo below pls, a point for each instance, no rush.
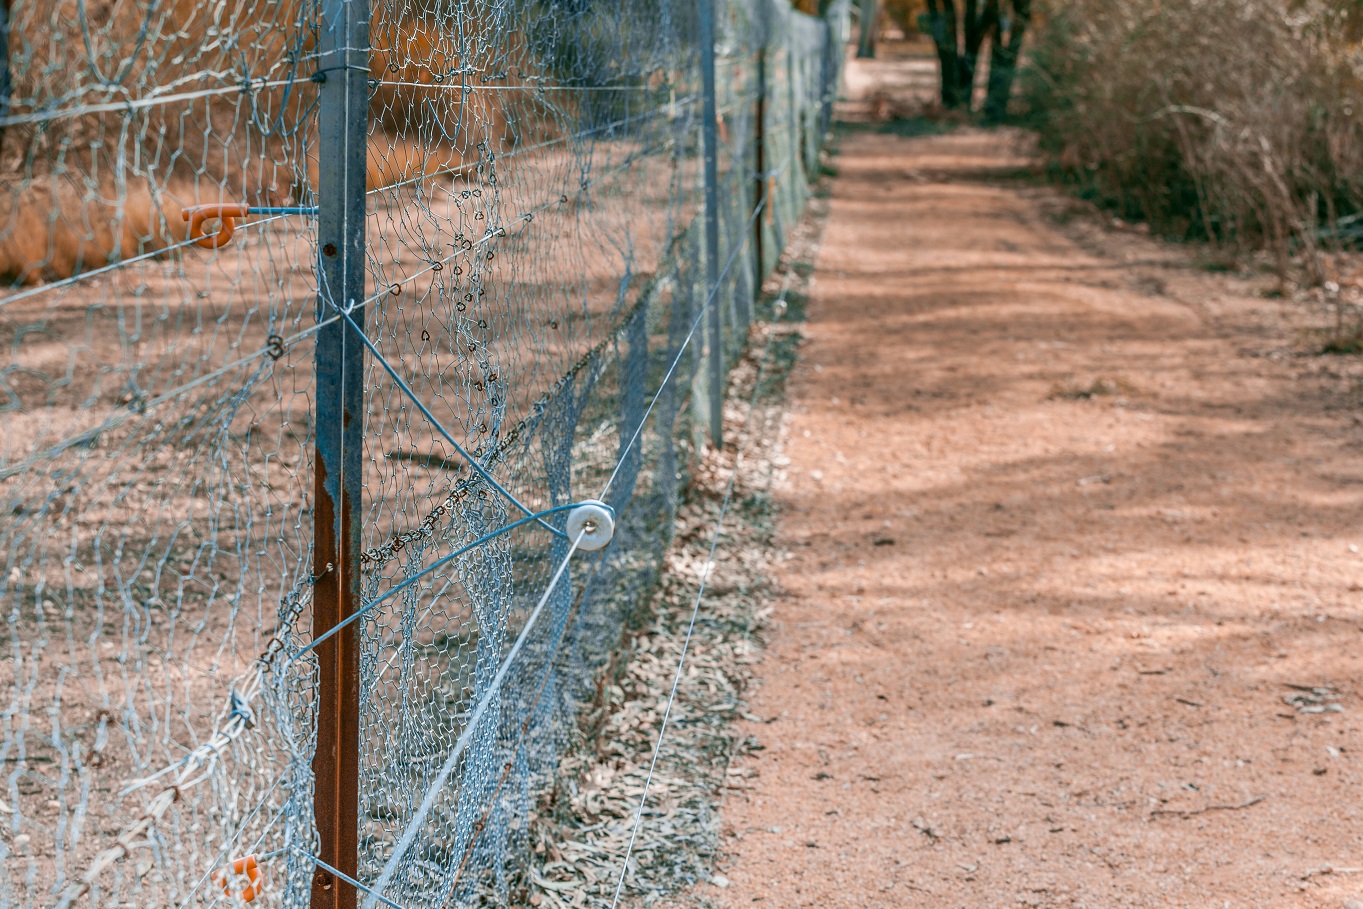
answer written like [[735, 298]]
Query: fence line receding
[[321, 317]]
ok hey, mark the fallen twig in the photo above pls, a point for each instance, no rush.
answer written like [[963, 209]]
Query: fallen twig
[[924, 827], [1189, 812], [1330, 869]]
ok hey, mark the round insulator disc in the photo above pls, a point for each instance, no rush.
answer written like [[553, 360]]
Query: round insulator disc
[[595, 521]]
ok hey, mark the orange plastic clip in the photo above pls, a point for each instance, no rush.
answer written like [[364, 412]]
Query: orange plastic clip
[[247, 866], [226, 213]]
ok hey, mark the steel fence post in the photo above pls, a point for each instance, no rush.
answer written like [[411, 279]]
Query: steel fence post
[[4, 65], [343, 73], [759, 147], [710, 151], [832, 65]]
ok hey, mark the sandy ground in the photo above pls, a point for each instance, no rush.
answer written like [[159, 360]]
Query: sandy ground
[[1069, 603]]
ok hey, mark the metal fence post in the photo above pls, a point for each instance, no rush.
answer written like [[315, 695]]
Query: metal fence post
[[4, 65], [830, 47], [343, 71], [759, 147], [710, 150]]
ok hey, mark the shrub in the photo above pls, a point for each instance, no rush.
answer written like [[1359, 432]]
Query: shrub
[[1237, 121]]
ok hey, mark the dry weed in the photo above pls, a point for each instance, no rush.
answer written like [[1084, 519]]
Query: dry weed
[[1100, 387], [95, 186], [1237, 121]]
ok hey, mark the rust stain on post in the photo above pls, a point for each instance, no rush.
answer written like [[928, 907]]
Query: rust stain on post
[[335, 763]]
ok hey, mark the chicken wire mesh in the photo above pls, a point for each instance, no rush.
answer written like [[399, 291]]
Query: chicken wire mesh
[[534, 284]]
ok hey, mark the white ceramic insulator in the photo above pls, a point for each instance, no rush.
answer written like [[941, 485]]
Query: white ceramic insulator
[[595, 520]]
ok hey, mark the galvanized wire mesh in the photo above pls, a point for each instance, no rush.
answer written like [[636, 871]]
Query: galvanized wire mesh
[[534, 276]]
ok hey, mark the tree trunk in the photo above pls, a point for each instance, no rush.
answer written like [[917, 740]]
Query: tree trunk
[[960, 59], [978, 26], [870, 13], [941, 25], [1003, 68]]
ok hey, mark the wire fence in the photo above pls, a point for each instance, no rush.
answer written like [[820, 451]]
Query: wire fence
[[322, 323]]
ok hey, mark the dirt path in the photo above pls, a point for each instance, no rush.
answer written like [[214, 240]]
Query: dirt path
[[1066, 518]]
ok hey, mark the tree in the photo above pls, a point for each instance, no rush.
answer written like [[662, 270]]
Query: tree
[[960, 37], [870, 14], [1003, 66]]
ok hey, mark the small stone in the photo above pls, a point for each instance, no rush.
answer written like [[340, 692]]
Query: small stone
[[720, 880], [1353, 902]]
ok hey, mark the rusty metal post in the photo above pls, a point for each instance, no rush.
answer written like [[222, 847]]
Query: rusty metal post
[[343, 71]]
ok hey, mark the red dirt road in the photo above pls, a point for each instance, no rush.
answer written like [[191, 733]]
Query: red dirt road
[[1066, 516]]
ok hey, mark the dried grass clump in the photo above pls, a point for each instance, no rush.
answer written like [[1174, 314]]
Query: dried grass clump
[[1101, 387], [98, 183], [1235, 121]]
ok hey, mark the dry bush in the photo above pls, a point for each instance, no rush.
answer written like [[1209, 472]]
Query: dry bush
[[1238, 121], [95, 185]]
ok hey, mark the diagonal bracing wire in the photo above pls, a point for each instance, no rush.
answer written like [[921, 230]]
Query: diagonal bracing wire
[[437, 564], [439, 427], [374, 895]]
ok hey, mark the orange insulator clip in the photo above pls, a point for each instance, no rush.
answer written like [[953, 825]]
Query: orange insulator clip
[[226, 213], [248, 867]]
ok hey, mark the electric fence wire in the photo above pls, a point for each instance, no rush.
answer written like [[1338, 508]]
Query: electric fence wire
[[413, 827], [550, 667], [690, 334], [438, 782], [778, 308]]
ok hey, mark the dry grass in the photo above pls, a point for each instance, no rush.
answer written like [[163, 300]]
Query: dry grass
[[1237, 121], [83, 191]]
